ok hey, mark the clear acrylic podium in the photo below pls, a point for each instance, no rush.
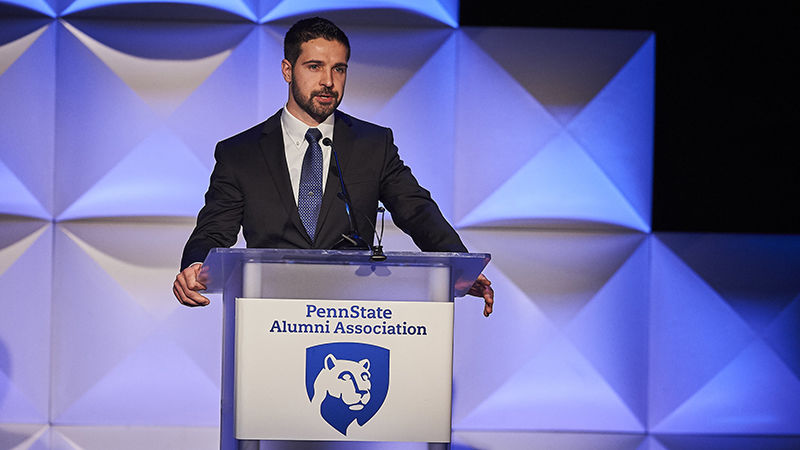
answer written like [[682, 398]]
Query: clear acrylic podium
[[326, 274]]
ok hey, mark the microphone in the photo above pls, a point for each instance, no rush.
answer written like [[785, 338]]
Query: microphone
[[352, 241], [377, 251]]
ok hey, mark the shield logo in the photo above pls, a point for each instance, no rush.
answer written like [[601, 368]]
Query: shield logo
[[347, 381]]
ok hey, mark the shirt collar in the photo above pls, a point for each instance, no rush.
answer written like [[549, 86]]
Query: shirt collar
[[295, 129]]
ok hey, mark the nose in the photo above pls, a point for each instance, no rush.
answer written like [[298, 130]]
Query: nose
[[326, 79], [362, 387]]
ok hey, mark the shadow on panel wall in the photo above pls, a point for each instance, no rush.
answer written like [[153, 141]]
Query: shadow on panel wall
[[23, 8], [25, 297], [370, 17], [724, 334], [209, 11], [137, 122], [410, 13], [27, 106], [566, 348], [130, 364], [557, 126]]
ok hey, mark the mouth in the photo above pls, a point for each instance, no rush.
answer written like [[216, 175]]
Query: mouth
[[326, 97]]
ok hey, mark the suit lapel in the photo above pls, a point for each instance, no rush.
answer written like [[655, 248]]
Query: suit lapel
[[272, 148], [343, 137]]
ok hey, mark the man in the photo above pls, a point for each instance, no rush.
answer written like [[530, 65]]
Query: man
[[277, 182]]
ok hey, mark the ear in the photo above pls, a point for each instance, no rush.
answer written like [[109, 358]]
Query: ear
[[364, 363], [330, 362], [286, 70]]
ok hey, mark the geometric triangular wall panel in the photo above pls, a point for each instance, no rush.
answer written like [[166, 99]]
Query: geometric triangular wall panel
[[27, 109], [377, 78], [134, 438], [236, 7], [783, 334], [432, 77], [153, 378], [151, 168], [754, 394], [97, 126], [144, 182], [696, 334], [477, 373], [558, 388], [162, 83], [84, 352], [26, 251], [563, 69], [563, 375], [715, 369], [559, 186], [443, 11], [612, 331], [144, 345], [497, 130], [615, 129], [756, 275], [585, 164], [41, 6], [732, 442], [18, 200], [24, 437], [228, 100], [495, 440]]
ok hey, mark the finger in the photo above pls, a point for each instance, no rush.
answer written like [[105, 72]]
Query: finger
[[188, 296], [192, 278], [479, 286], [488, 297], [476, 290], [188, 285], [182, 295], [195, 285], [195, 299], [177, 293]]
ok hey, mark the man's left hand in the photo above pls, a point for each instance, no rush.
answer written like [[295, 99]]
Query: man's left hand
[[483, 288]]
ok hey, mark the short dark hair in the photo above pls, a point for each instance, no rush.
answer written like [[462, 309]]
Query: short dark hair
[[309, 29]]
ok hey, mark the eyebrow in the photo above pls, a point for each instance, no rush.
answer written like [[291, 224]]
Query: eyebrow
[[322, 63]]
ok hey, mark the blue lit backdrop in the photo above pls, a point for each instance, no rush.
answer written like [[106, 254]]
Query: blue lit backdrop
[[537, 144]]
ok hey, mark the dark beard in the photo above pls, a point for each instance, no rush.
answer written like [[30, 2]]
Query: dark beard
[[317, 112]]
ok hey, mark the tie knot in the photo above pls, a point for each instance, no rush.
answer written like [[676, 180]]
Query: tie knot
[[313, 135]]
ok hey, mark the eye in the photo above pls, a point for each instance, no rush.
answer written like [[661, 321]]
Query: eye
[[365, 376], [346, 376]]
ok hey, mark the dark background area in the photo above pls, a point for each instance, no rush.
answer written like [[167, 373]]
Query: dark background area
[[725, 146]]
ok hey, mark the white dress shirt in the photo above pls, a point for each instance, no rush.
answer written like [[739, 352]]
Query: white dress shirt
[[295, 145]]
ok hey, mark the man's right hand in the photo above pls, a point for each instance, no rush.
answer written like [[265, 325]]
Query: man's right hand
[[186, 286]]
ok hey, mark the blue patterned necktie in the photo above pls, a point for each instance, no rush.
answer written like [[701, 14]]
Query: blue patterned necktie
[[310, 193]]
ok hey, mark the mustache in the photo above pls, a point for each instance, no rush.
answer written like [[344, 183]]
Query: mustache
[[325, 91]]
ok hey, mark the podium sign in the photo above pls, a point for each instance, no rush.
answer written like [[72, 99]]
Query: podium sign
[[331, 345], [343, 370]]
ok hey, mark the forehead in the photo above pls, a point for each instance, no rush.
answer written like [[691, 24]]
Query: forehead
[[322, 49]]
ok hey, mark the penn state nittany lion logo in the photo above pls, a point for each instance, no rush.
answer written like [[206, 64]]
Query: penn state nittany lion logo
[[347, 382]]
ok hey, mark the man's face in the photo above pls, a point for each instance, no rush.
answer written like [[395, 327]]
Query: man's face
[[316, 80]]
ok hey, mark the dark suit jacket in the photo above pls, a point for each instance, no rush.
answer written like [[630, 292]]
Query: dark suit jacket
[[250, 187]]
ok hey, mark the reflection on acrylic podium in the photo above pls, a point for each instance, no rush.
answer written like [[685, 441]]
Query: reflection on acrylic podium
[[324, 345]]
